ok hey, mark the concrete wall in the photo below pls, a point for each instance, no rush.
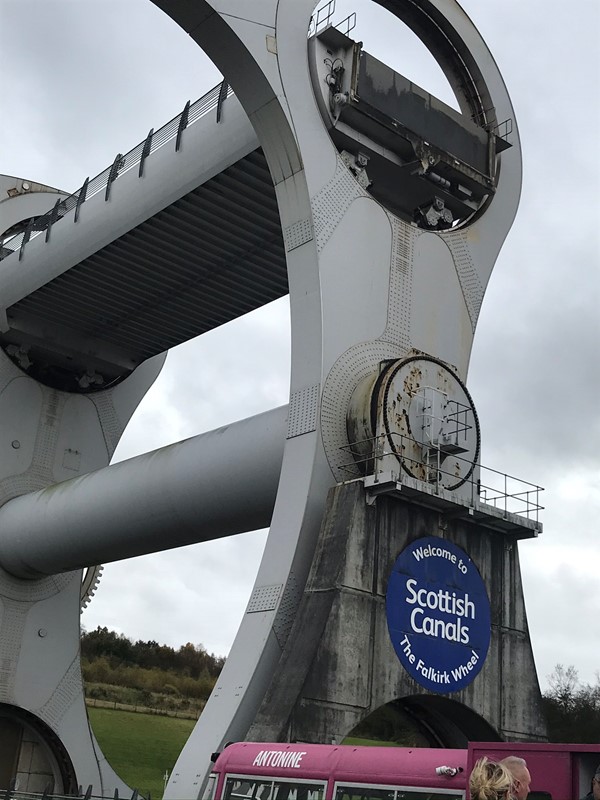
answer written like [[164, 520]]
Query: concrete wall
[[339, 664]]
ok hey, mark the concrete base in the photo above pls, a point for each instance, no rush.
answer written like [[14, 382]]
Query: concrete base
[[339, 665]]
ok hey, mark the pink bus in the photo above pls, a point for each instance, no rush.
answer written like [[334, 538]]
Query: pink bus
[[260, 771]]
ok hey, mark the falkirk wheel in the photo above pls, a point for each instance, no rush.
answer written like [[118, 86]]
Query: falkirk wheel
[[391, 569]]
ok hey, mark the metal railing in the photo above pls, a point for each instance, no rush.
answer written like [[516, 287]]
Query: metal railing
[[484, 485], [136, 157], [12, 794], [322, 18], [347, 25], [503, 129]]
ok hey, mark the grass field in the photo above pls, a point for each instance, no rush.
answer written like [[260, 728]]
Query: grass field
[[140, 747], [369, 742]]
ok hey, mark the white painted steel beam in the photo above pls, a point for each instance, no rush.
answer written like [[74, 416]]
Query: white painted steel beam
[[211, 486]]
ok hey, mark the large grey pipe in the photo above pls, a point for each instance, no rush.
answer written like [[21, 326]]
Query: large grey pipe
[[211, 486]]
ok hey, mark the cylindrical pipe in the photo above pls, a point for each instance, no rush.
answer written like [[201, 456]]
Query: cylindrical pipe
[[211, 486]]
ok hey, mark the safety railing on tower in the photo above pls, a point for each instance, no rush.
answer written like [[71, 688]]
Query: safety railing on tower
[[481, 486], [322, 18]]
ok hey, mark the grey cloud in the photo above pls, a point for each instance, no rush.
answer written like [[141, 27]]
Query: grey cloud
[[563, 632], [198, 598], [118, 68]]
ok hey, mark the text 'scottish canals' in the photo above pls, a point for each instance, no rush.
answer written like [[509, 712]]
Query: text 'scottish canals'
[[438, 614]]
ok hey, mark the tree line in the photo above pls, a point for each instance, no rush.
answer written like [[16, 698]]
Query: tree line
[[116, 668], [192, 661], [572, 708]]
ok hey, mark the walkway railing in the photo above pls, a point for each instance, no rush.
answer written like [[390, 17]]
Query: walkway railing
[[136, 157], [485, 485], [322, 16]]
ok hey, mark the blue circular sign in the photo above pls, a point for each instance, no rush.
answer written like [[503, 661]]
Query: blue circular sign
[[438, 614]]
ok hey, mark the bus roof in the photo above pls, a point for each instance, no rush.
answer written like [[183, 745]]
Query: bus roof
[[401, 766]]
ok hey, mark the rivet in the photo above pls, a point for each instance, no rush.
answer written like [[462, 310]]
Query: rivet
[[42, 632], [16, 444]]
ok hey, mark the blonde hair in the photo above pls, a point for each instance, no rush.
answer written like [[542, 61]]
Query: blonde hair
[[490, 781]]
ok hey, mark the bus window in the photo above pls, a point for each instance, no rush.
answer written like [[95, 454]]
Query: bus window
[[371, 793], [363, 793], [288, 790], [211, 786], [427, 794], [247, 789], [250, 788]]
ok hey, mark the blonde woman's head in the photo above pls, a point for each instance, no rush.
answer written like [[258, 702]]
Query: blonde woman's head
[[490, 781]]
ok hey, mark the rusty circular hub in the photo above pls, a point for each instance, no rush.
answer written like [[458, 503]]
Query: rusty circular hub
[[429, 420]]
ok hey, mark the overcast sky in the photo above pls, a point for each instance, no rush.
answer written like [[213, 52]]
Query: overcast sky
[[82, 80]]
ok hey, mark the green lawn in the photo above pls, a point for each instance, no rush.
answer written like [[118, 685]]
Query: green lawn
[[369, 742], [140, 747]]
